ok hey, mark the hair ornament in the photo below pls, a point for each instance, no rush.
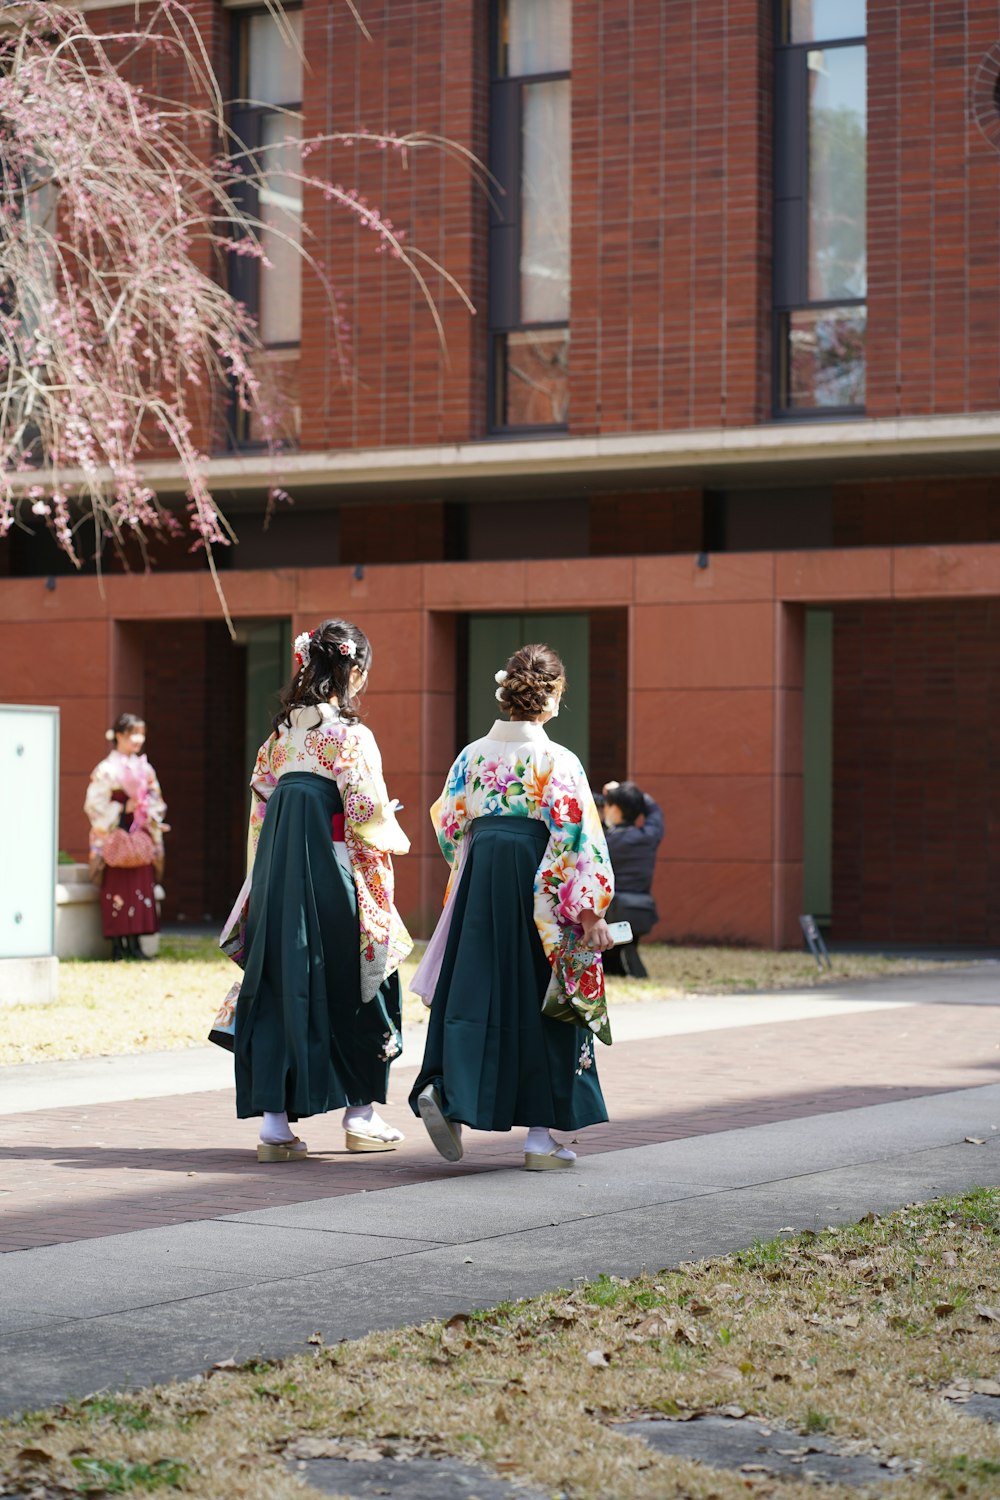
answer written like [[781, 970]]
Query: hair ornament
[[348, 648], [551, 704], [499, 694], [109, 734], [302, 648], [500, 676]]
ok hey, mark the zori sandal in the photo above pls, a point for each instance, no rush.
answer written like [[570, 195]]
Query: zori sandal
[[446, 1137], [363, 1137], [537, 1161], [271, 1151]]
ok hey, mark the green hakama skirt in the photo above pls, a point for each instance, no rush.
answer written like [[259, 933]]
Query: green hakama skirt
[[304, 1042], [495, 1059]]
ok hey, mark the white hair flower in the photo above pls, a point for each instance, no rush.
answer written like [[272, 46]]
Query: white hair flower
[[499, 694], [303, 644], [500, 676]]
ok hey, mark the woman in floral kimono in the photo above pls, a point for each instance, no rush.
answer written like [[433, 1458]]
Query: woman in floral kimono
[[126, 811], [315, 1021], [522, 927]]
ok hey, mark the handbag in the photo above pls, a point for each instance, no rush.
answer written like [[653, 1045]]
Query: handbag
[[128, 851]]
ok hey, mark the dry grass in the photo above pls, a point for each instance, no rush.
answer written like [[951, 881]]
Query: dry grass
[[106, 1008], [854, 1333]]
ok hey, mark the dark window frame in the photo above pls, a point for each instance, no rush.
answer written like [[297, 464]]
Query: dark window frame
[[244, 271], [504, 237], [790, 272]]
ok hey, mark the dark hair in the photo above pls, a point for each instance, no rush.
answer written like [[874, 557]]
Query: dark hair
[[533, 674], [327, 671], [124, 724], [629, 800]]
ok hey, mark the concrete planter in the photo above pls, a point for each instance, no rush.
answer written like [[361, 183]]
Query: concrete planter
[[78, 917]]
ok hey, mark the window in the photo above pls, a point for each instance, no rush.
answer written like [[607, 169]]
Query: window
[[529, 296], [820, 268], [267, 119]]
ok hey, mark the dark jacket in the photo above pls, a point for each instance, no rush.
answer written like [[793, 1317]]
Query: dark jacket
[[633, 851]]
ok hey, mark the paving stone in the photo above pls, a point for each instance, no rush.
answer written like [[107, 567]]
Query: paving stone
[[755, 1448], [986, 1407], [413, 1479]]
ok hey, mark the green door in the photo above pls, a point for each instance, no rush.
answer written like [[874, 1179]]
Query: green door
[[493, 638], [269, 666]]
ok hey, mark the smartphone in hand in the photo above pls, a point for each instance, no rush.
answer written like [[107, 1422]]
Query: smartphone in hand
[[621, 932]]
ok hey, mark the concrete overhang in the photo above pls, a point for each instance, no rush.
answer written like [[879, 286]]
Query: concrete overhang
[[789, 453]]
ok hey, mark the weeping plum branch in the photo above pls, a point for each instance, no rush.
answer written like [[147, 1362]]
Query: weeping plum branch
[[119, 212]]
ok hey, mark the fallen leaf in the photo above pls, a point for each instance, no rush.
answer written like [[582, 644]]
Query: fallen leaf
[[943, 1309], [699, 1309], [974, 1140], [724, 1372], [986, 1387], [850, 1320], [989, 1313], [457, 1320], [848, 1373], [315, 1338], [34, 1456], [596, 1358], [654, 1327], [949, 1258], [225, 1364]]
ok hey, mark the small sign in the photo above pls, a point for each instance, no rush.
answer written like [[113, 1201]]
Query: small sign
[[814, 938]]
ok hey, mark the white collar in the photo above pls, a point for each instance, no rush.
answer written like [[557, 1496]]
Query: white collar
[[518, 732]]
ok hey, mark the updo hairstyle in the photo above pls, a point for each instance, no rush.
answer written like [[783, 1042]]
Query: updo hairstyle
[[327, 672], [124, 724], [534, 675]]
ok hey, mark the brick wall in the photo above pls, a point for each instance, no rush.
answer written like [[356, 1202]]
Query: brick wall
[[671, 214], [934, 210], [906, 513], [917, 772]]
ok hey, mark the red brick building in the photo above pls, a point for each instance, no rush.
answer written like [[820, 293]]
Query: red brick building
[[727, 418]]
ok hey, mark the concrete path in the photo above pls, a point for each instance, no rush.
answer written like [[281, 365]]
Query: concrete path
[[720, 1136]]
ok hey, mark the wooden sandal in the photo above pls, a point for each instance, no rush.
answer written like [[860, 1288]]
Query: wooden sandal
[[271, 1151]]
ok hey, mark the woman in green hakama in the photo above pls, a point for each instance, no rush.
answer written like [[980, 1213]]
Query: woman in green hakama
[[315, 1021], [522, 925]]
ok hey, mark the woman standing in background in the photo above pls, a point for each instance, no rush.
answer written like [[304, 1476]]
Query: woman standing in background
[[126, 811]]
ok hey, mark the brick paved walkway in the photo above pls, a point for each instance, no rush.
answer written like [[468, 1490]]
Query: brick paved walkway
[[71, 1174]]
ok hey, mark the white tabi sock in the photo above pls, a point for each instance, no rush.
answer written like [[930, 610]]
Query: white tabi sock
[[275, 1128], [541, 1143], [368, 1116]]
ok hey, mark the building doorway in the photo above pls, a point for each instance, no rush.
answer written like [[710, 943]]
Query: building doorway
[[594, 647]]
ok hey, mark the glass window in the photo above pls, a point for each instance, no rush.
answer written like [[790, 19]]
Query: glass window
[[532, 378], [534, 36], [837, 173], [545, 202], [280, 201], [823, 358], [530, 227], [273, 57], [823, 20]]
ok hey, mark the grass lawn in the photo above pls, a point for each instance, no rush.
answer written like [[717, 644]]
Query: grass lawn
[[106, 1008], [870, 1336]]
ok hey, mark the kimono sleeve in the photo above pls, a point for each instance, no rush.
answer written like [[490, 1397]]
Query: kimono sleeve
[[156, 812], [369, 814], [103, 812], [577, 876], [262, 784], [449, 814]]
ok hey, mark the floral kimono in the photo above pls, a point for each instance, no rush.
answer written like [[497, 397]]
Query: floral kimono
[[517, 771], [317, 742], [128, 887]]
